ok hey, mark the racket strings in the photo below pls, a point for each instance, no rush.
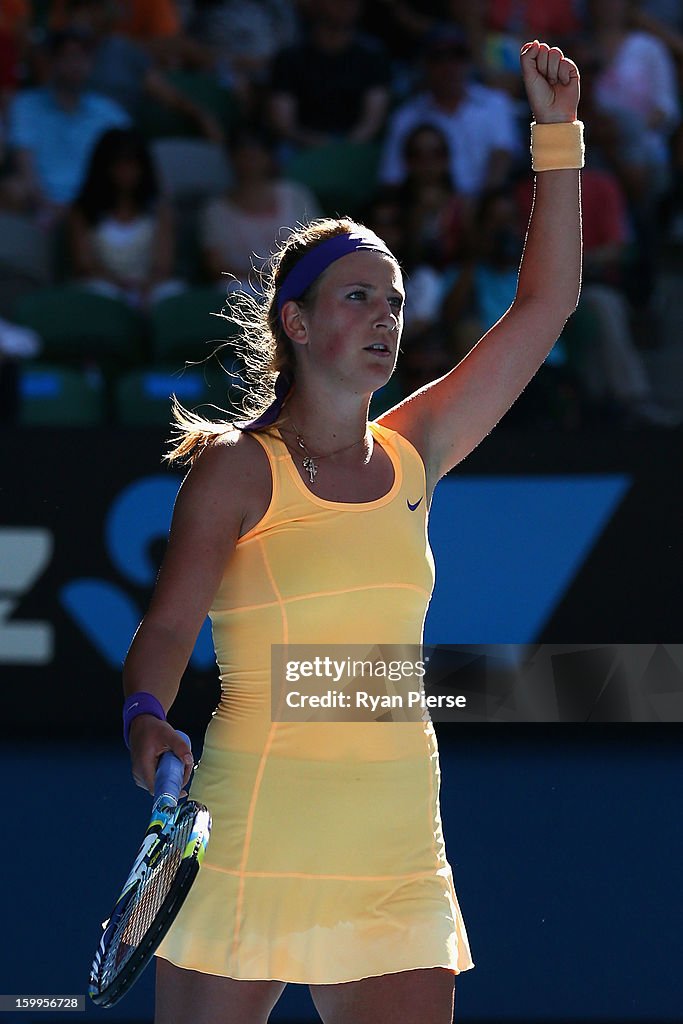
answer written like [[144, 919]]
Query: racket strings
[[165, 859]]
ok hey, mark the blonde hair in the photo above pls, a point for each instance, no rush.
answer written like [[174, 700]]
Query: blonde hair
[[261, 342]]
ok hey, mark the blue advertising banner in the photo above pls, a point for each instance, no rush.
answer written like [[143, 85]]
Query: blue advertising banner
[[536, 540], [559, 555]]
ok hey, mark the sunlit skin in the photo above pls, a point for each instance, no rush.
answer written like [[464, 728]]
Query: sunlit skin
[[358, 301]]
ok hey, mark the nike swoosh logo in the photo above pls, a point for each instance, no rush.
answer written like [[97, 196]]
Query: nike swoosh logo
[[413, 507]]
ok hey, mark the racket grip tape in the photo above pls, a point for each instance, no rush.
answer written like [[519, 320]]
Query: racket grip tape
[[168, 780]]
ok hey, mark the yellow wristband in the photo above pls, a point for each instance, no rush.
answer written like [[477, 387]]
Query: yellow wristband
[[557, 146]]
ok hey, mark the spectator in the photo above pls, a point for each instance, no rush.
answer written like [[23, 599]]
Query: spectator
[[484, 289], [663, 19], [423, 359], [121, 230], [477, 121], [332, 86], [423, 348], [638, 78], [616, 139], [238, 231], [527, 19], [242, 37], [612, 375], [149, 20], [403, 24], [484, 285], [53, 130], [636, 83], [618, 145], [155, 25], [124, 71], [436, 215]]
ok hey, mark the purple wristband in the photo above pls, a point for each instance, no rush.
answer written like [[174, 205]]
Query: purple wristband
[[140, 704]]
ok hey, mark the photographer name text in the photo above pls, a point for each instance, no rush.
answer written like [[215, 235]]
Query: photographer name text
[[373, 702]]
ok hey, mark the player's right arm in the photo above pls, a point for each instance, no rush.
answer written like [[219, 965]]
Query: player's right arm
[[214, 499]]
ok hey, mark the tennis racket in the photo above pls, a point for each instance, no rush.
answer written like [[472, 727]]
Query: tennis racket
[[164, 870]]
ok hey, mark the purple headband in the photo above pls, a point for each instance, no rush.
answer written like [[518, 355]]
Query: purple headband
[[311, 265], [283, 385]]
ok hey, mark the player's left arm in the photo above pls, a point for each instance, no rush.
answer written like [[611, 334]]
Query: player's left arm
[[449, 417]]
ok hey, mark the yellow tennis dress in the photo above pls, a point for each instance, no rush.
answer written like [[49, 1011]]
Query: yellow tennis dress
[[326, 862]]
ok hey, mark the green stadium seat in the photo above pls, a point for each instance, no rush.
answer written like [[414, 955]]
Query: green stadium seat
[[343, 175], [76, 324], [143, 397], [59, 396], [183, 327]]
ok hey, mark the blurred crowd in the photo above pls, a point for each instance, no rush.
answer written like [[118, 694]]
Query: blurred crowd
[[153, 152]]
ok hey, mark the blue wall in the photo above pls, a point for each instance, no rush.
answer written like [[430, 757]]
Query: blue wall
[[566, 845]]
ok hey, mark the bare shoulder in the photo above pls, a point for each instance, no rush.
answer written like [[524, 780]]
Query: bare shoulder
[[407, 418], [230, 452], [228, 484], [404, 420], [414, 419], [219, 495]]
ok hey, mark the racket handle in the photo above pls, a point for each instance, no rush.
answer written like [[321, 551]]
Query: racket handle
[[168, 780]]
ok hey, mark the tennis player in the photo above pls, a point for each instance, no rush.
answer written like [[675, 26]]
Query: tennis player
[[307, 524]]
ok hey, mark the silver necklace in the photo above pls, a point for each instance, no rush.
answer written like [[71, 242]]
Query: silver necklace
[[309, 461]]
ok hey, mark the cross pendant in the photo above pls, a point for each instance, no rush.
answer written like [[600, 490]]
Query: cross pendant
[[310, 467]]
